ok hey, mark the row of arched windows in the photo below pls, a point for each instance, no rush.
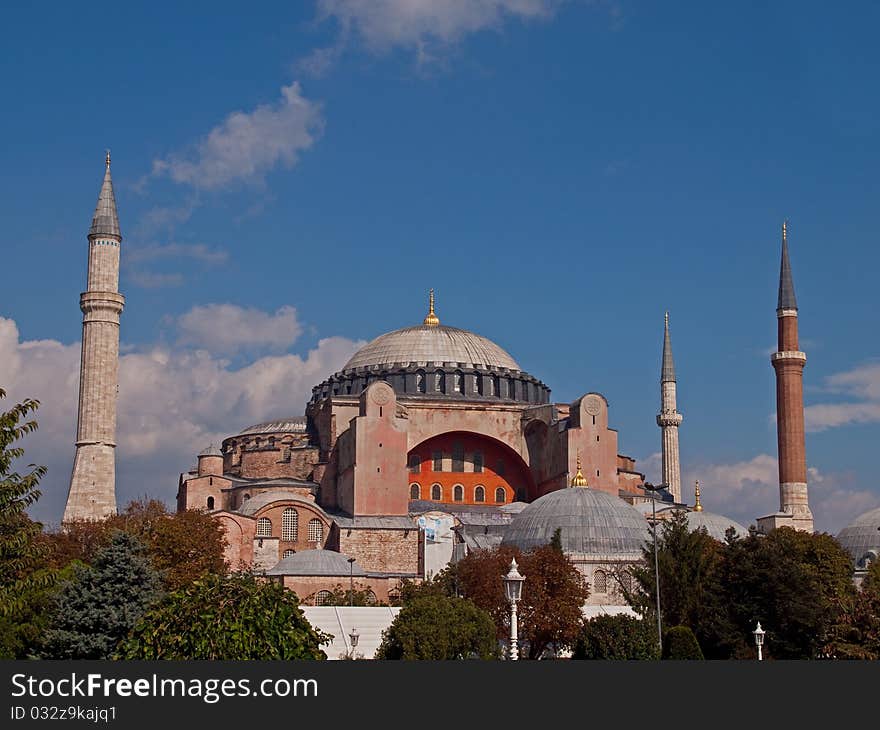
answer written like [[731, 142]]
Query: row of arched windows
[[458, 461], [290, 527], [415, 492], [322, 598], [602, 584]]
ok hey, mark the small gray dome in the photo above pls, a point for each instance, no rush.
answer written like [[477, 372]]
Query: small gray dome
[[317, 562], [211, 451], [593, 523], [716, 525], [862, 536], [432, 343]]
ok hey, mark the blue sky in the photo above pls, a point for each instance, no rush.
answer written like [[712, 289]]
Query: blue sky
[[292, 179]]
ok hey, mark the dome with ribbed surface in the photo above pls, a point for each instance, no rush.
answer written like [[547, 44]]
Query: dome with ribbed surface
[[317, 562], [862, 536], [592, 523], [715, 525], [432, 343], [283, 425]]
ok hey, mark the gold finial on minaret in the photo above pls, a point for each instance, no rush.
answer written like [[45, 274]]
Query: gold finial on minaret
[[107, 158], [697, 506], [666, 319], [579, 479], [431, 320]]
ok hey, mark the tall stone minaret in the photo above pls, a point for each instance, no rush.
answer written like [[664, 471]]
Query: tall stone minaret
[[788, 362], [92, 492], [669, 419]]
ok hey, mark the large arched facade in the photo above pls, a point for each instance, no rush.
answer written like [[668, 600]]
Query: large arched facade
[[468, 468]]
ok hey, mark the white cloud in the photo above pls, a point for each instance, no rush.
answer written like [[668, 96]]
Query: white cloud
[[861, 383], [749, 489], [247, 145], [227, 328], [172, 403], [196, 251], [423, 26]]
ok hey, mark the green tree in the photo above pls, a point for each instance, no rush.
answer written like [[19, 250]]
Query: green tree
[[689, 564], [24, 576], [797, 584], [101, 603], [360, 596], [679, 642], [436, 626], [617, 637], [236, 616]]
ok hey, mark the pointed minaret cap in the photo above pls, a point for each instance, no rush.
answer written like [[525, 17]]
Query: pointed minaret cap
[[698, 507], [786, 285], [667, 372], [431, 320], [105, 221]]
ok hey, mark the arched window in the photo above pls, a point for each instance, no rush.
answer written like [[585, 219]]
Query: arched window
[[493, 382], [436, 492], [478, 462], [438, 460], [500, 495], [439, 382], [322, 598], [457, 457], [316, 530], [458, 493], [210, 503], [458, 382], [478, 384], [415, 491], [415, 463], [479, 493], [290, 525], [394, 596], [420, 381], [370, 598], [288, 553], [264, 527], [600, 582]]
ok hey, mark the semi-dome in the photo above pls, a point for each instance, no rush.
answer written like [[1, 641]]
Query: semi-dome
[[317, 562], [437, 344], [592, 523], [715, 525], [282, 425], [861, 537]]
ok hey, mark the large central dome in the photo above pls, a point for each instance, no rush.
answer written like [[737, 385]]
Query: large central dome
[[432, 343]]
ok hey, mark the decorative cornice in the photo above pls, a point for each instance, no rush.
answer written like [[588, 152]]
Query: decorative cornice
[[786, 313], [795, 355]]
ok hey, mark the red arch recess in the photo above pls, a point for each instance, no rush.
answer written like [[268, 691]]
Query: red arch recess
[[516, 477]]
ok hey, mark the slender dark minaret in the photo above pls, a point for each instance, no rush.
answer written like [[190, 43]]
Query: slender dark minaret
[[669, 419], [92, 494], [788, 362]]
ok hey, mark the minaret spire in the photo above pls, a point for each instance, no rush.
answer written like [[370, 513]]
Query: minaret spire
[[92, 493], [788, 362], [669, 419]]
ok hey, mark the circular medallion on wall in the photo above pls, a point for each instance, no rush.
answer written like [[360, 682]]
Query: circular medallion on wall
[[381, 394], [593, 405]]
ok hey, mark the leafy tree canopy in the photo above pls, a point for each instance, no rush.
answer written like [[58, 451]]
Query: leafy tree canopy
[[432, 625], [679, 642], [101, 603], [235, 616], [617, 637]]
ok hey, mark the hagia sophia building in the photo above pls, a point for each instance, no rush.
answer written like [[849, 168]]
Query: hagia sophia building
[[430, 442]]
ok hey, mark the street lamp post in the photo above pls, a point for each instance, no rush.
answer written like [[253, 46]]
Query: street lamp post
[[353, 637], [513, 583], [351, 582], [651, 488], [759, 640]]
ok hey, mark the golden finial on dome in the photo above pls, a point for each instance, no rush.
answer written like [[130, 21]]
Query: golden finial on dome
[[697, 506], [431, 320], [579, 479]]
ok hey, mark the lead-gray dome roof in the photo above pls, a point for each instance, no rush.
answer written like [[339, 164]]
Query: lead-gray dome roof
[[282, 425], [316, 562], [432, 343], [593, 523], [862, 535], [716, 525]]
